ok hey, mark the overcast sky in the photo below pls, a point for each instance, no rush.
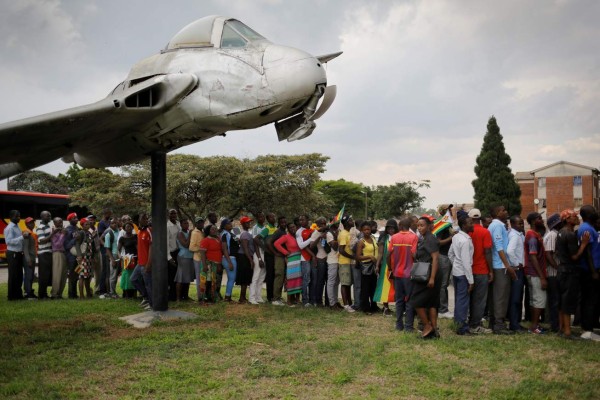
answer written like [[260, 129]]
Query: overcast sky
[[417, 82]]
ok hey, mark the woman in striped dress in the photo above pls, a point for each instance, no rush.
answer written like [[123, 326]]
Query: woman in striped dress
[[288, 246]]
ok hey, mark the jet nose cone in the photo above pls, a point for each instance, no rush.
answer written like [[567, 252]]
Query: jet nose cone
[[293, 71]]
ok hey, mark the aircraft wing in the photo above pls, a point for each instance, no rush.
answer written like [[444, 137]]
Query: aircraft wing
[[35, 141]]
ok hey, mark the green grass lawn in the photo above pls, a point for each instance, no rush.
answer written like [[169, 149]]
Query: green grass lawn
[[81, 350]]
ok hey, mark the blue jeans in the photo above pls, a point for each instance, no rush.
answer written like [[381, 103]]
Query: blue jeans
[[230, 275], [28, 278], [305, 265], [461, 303], [403, 289], [148, 284], [515, 307], [137, 280], [317, 282]]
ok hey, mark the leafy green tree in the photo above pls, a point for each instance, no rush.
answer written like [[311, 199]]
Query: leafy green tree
[[37, 181], [495, 182], [72, 178], [395, 200], [101, 188], [281, 184], [196, 185], [227, 185], [340, 192]]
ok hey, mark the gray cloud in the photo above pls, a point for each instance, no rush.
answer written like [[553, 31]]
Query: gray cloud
[[416, 84]]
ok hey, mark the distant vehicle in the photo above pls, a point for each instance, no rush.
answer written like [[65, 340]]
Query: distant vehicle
[[31, 204]]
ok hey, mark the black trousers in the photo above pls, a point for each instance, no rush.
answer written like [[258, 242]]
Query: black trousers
[[368, 284], [73, 276], [589, 299], [15, 274], [44, 274], [171, 272], [270, 278]]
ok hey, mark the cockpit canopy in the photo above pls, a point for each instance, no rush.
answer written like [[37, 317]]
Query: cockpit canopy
[[214, 31]]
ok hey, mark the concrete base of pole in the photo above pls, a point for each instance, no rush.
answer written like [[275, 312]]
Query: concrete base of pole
[[145, 319]]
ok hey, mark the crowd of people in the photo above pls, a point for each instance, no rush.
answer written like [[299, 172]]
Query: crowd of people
[[492, 263]]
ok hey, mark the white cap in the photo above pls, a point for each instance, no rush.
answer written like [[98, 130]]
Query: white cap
[[475, 213]]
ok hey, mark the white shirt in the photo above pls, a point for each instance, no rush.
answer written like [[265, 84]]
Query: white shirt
[[321, 253], [515, 251], [172, 231], [550, 245], [332, 256], [461, 256], [301, 242], [255, 231]]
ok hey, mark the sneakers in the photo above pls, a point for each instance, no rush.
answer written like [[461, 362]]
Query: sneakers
[[104, 296], [480, 330], [536, 331], [349, 309], [255, 303], [387, 312], [308, 305], [446, 315], [277, 303], [147, 307], [144, 303], [590, 336]]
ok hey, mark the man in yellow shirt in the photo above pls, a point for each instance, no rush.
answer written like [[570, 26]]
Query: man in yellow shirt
[[345, 261]]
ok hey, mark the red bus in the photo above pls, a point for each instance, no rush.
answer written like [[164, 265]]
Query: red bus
[[31, 204]]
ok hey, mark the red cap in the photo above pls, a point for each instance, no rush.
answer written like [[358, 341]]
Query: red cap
[[83, 221], [243, 220], [28, 220], [71, 216], [429, 217]]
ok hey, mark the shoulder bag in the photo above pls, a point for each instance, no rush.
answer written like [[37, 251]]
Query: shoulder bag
[[420, 272], [367, 267]]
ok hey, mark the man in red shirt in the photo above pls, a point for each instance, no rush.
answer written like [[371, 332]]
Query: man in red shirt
[[401, 252], [535, 269], [482, 272], [141, 278]]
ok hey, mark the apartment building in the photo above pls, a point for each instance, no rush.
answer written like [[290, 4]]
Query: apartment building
[[558, 186]]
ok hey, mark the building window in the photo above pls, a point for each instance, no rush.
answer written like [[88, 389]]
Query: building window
[[541, 182], [543, 203], [577, 181], [577, 202]]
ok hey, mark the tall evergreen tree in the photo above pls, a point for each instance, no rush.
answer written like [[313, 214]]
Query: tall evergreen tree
[[495, 181]]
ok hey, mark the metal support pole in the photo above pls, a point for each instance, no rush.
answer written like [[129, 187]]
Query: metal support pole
[[160, 285]]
